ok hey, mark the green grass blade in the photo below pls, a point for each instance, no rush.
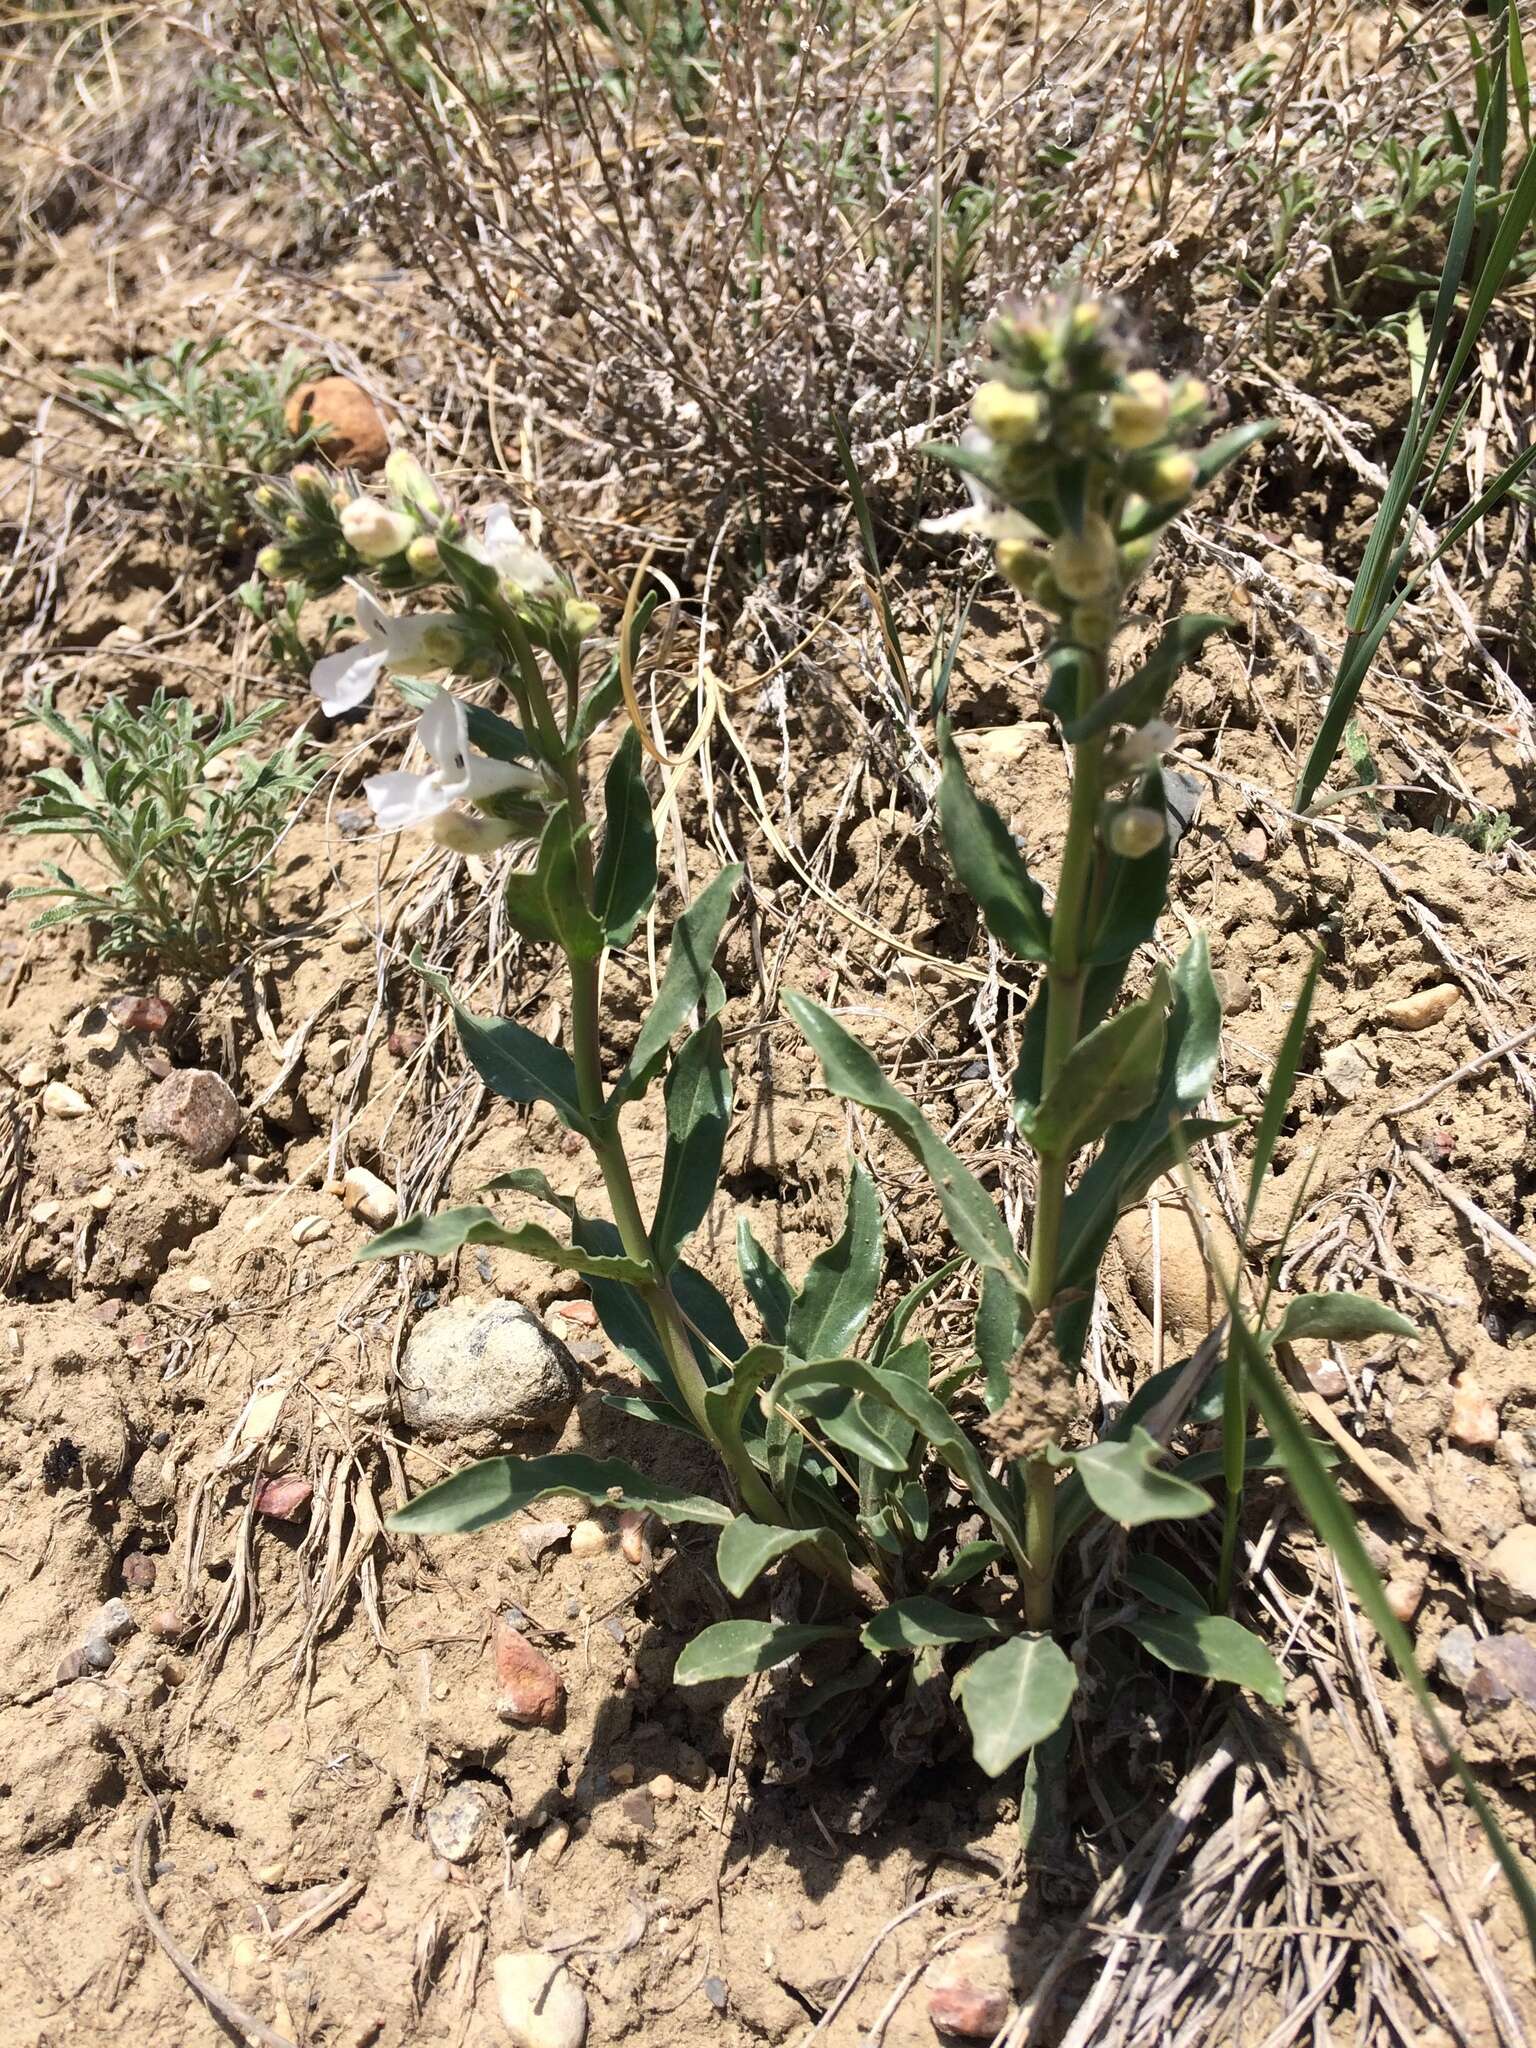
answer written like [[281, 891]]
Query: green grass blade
[[1282, 1083], [895, 659]]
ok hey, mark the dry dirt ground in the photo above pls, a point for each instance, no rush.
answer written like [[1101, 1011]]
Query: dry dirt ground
[[260, 1779]]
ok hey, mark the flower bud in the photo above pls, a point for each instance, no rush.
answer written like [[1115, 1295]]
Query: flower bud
[[1138, 411], [294, 524], [1135, 831], [1189, 402], [1085, 564], [1011, 418], [270, 562], [1020, 564], [423, 555], [307, 477], [1085, 322], [467, 832], [267, 500], [1094, 625], [374, 532], [411, 484], [1169, 478], [582, 618]]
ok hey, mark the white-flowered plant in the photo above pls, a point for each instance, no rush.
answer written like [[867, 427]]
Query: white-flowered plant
[[459, 776], [422, 644]]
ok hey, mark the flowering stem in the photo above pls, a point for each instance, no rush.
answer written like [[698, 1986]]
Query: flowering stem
[[1039, 1540]]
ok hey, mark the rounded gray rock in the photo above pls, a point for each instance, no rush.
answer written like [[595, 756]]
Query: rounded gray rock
[[485, 1367], [197, 1110]]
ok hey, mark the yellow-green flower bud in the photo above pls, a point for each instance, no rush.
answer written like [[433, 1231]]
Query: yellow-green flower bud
[[1020, 564], [1189, 402], [1011, 418], [267, 500], [375, 532], [1085, 564], [294, 524], [1138, 411], [309, 478], [582, 618], [423, 555], [411, 484], [1135, 831], [1168, 478], [1086, 320], [270, 562]]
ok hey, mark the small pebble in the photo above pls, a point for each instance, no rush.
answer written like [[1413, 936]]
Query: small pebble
[[638, 1810], [1456, 1656], [541, 2004], [1513, 1557], [197, 1110], [717, 1992], [139, 1572], [1329, 1380], [114, 1620], [284, 1499], [1252, 849], [456, 1823], [635, 1527], [1419, 1011], [621, 1774], [969, 1990], [1474, 1419], [662, 1789], [1404, 1597], [368, 1197], [348, 425], [44, 1212], [538, 1538], [367, 1918], [199, 1283], [1508, 1663], [98, 1653], [60, 1100], [552, 1843], [142, 1013], [310, 1229], [530, 1691], [32, 1075], [589, 1539], [167, 1624], [72, 1665]]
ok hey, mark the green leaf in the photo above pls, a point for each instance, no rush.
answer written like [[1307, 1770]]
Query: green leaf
[[1211, 1646], [624, 885], [558, 875], [1109, 1075], [698, 1117], [477, 580], [1343, 1317], [489, 1492], [999, 1314], [893, 1327], [689, 980], [765, 1281], [435, 1237], [853, 1073], [1164, 1585], [1210, 461], [910, 1624], [1141, 695], [513, 1062], [839, 1290], [1126, 1482], [736, 1649], [968, 1563], [871, 1432], [747, 1548], [1282, 1084], [1014, 1697], [987, 861]]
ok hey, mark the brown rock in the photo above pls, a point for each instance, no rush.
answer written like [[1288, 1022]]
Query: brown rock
[[283, 1500], [1474, 1419], [142, 1013], [198, 1110], [138, 1572], [529, 1690], [350, 425]]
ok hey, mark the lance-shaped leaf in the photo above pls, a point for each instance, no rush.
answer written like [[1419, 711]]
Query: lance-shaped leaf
[[1165, 1586], [987, 861], [436, 1237], [1126, 1482], [698, 1117], [730, 1405], [839, 1290], [978, 1229], [921, 1621], [1109, 1075], [1014, 1697], [498, 1487], [1135, 890], [968, 1563], [1211, 1646], [513, 1062], [747, 1548], [1141, 695], [625, 882], [737, 1649], [559, 876], [1345, 1318], [689, 980], [765, 1281]]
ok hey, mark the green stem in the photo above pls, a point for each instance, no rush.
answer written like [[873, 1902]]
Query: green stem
[[1039, 1541]]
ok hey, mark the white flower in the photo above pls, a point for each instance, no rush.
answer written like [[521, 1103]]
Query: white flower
[[374, 531], [411, 646], [1148, 743], [514, 559], [460, 775]]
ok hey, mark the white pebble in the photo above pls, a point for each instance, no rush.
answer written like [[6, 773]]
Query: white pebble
[[541, 2004], [59, 1099]]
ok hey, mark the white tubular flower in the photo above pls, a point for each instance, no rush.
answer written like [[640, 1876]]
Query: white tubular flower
[[416, 646], [459, 774], [374, 531], [515, 559], [1148, 743]]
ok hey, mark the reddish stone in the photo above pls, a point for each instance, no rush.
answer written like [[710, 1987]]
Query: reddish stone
[[198, 1110], [138, 1572], [973, 2011], [529, 1690], [283, 1500], [142, 1013]]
